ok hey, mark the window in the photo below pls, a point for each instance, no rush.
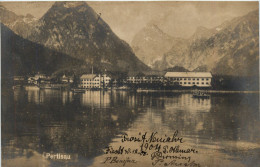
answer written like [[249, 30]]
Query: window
[[193, 82], [207, 83], [189, 78], [184, 82], [207, 79], [185, 79], [202, 83], [202, 79], [180, 82], [198, 79], [189, 82], [197, 82], [193, 79]]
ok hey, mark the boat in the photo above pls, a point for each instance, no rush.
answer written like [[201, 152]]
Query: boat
[[201, 95], [122, 88], [77, 90]]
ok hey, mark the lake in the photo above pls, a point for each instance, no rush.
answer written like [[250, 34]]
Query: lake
[[60, 128]]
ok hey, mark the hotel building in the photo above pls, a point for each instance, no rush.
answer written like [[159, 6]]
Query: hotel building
[[94, 81], [189, 79]]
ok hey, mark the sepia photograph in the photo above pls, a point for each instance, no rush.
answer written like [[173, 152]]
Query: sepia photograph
[[130, 84]]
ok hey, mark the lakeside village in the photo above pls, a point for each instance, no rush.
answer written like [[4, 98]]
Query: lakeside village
[[133, 81]]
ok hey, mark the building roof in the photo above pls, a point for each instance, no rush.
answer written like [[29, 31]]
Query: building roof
[[88, 76], [189, 74]]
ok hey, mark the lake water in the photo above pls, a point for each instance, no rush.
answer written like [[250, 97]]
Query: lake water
[[224, 129]]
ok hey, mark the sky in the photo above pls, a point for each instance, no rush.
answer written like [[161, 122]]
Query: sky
[[178, 19]]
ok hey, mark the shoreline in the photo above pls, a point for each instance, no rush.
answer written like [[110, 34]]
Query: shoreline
[[207, 91], [174, 91]]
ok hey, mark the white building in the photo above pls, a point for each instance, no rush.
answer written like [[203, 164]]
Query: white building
[[65, 79], [94, 81], [189, 79], [36, 78], [147, 77]]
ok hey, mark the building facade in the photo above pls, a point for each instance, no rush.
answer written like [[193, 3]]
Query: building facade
[[189, 79], [94, 81], [37, 78], [144, 78]]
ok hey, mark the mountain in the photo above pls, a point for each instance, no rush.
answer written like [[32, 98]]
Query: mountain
[[75, 29], [150, 43], [229, 49], [21, 25], [176, 69], [21, 57], [201, 69], [202, 33]]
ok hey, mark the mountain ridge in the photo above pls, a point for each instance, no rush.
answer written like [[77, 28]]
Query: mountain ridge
[[150, 43], [75, 29], [20, 56], [222, 52]]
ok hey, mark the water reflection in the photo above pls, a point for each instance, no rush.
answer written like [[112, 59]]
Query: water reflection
[[99, 99], [82, 125], [185, 102]]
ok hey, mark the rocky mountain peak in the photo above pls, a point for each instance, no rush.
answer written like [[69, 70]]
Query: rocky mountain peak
[[68, 4], [229, 49], [150, 43], [75, 29], [153, 27], [60, 9], [29, 16], [202, 32]]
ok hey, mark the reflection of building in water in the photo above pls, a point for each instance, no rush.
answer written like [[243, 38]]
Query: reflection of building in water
[[188, 79], [187, 114], [66, 97], [185, 102], [33, 94], [100, 99], [117, 98], [40, 96]]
